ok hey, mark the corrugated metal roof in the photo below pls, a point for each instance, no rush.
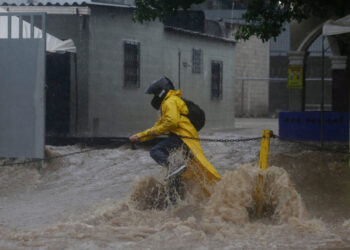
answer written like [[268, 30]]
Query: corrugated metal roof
[[44, 2], [67, 2]]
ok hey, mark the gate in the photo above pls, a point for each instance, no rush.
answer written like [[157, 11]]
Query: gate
[[22, 81]]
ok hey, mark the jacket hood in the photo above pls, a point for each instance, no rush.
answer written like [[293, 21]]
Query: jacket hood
[[173, 93]]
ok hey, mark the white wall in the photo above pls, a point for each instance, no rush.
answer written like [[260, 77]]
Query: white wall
[[252, 61], [116, 111]]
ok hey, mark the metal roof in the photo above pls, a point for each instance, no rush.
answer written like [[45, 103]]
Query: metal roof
[[43, 2], [67, 2]]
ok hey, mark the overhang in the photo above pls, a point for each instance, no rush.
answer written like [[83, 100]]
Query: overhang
[[13, 27], [337, 27]]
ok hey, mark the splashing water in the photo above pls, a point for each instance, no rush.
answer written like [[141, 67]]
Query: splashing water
[[117, 199]]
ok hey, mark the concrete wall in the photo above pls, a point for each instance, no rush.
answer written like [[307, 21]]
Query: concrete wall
[[117, 111], [252, 61], [197, 87]]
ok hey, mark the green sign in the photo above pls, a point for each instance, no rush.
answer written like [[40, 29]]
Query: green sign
[[295, 77]]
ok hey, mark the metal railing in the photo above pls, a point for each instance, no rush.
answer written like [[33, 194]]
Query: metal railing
[[247, 97]]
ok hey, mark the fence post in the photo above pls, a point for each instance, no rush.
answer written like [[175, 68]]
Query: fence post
[[242, 100], [264, 154]]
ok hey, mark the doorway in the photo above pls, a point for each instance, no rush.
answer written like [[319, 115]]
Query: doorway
[[57, 94]]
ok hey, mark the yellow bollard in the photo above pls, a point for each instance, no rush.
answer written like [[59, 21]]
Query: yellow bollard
[[264, 155], [264, 149]]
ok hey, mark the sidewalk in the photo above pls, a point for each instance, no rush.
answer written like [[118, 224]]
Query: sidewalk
[[249, 127], [254, 126]]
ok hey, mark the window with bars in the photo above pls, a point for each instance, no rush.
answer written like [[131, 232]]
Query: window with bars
[[196, 61], [216, 79], [131, 63]]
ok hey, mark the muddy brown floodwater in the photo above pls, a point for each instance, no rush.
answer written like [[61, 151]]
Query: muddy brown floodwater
[[107, 199]]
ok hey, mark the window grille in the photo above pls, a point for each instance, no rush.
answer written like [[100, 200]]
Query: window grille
[[131, 64], [196, 61], [216, 79]]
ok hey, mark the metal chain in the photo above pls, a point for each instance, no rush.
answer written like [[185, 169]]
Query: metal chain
[[58, 156], [126, 141], [222, 140]]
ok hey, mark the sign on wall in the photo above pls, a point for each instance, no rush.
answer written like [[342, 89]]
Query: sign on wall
[[295, 77]]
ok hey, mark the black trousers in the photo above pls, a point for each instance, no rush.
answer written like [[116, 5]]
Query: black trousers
[[160, 152]]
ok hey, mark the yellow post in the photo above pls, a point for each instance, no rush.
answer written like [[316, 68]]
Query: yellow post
[[264, 149], [264, 155]]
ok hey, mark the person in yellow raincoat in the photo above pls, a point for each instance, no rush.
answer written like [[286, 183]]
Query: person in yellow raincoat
[[181, 133]]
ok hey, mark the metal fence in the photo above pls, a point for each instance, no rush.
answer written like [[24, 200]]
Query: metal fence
[[268, 96]]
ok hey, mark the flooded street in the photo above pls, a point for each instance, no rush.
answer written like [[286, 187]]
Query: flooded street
[[86, 83], [98, 199]]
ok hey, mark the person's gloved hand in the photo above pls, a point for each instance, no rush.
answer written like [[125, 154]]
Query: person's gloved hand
[[134, 138]]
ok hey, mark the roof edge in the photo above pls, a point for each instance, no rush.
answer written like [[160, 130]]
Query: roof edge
[[65, 3], [195, 33]]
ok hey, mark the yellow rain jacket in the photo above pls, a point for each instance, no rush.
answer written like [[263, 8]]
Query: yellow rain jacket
[[172, 120]]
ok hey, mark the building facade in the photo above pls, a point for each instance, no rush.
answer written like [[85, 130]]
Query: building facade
[[117, 59], [200, 66], [251, 63]]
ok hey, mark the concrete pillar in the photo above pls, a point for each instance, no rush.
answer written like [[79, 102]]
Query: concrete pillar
[[340, 87], [296, 95]]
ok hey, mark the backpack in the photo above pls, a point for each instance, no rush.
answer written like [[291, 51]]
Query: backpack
[[195, 114]]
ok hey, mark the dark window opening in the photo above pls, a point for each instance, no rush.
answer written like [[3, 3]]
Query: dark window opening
[[131, 64], [196, 61], [216, 80]]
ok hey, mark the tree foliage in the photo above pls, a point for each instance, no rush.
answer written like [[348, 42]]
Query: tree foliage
[[265, 18]]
